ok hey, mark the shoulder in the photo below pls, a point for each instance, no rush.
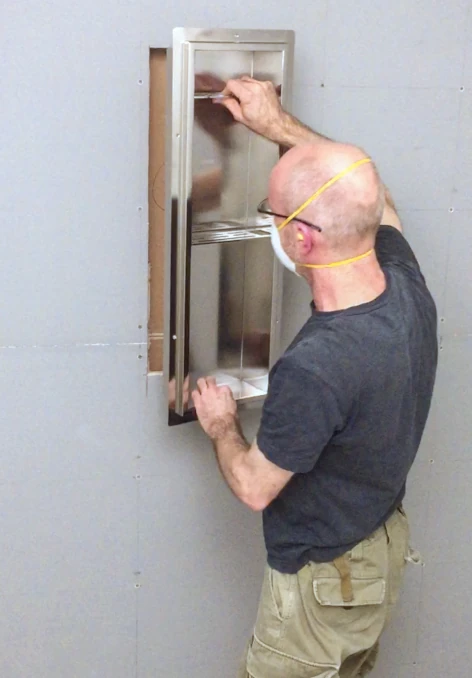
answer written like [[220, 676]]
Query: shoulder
[[392, 247], [322, 360]]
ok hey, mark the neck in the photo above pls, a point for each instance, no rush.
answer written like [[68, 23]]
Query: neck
[[335, 289]]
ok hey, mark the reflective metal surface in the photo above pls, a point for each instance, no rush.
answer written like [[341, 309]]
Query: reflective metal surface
[[230, 164], [230, 314], [224, 285]]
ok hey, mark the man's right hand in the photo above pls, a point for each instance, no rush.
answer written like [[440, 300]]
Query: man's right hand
[[255, 104]]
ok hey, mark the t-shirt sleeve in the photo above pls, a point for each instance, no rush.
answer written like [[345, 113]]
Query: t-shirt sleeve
[[299, 417], [392, 247]]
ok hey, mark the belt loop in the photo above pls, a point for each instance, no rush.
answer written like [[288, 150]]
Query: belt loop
[[342, 566]]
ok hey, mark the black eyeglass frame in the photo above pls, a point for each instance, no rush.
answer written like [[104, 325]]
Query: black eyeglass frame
[[266, 210]]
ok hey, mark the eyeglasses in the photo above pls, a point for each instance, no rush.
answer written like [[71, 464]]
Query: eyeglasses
[[263, 208]]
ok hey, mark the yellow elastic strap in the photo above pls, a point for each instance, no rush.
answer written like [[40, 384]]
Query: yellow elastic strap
[[338, 263], [323, 189]]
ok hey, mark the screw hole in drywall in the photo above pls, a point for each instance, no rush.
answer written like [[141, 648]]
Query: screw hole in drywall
[[140, 82], [140, 357], [140, 327], [451, 209], [461, 89], [137, 586]]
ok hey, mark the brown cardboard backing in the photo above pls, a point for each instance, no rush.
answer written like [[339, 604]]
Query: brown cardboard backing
[[156, 188]]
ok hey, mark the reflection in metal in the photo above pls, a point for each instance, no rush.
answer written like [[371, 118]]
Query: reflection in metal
[[224, 287]]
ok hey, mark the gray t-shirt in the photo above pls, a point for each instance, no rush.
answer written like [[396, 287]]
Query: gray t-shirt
[[346, 409]]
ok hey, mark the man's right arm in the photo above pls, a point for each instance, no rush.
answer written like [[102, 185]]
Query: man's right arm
[[390, 215], [256, 104]]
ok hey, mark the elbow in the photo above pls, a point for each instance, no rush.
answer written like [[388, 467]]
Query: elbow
[[247, 488], [256, 501]]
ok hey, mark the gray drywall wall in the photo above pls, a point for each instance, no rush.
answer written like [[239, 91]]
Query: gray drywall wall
[[123, 554]]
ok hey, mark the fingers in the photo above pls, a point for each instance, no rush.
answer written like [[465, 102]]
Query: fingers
[[226, 390], [196, 397], [244, 88], [252, 85], [204, 383], [238, 88], [232, 105]]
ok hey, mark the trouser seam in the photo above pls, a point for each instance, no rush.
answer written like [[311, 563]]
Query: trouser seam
[[296, 659]]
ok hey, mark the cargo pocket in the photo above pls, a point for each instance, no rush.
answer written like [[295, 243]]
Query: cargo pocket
[[281, 646], [367, 567], [354, 612]]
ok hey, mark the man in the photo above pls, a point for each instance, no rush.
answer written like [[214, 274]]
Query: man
[[345, 411]]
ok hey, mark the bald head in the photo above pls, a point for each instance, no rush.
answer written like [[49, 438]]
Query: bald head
[[349, 211]]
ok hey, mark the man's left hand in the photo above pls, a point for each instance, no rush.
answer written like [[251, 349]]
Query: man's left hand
[[216, 407]]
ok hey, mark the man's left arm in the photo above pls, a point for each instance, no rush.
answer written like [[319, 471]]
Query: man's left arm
[[254, 479]]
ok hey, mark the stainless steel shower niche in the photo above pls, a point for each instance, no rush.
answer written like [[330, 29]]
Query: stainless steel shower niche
[[223, 282]]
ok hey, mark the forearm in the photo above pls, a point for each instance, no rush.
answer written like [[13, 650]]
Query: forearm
[[230, 447], [389, 200], [291, 132], [249, 474]]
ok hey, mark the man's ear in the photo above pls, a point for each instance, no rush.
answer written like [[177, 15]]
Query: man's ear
[[304, 238]]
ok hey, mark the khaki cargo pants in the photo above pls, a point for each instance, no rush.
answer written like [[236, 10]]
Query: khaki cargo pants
[[326, 620]]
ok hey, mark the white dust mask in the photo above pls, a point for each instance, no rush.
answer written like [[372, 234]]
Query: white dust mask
[[280, 253]]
